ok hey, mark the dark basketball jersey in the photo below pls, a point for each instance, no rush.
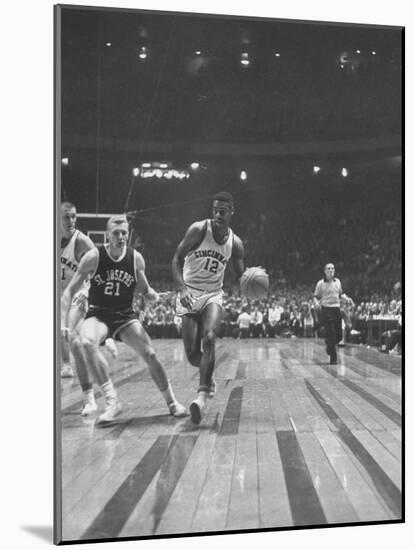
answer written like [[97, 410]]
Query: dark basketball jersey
[[112, 286]]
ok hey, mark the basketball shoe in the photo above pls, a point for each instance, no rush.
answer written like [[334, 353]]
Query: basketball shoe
[[90, 405], [197, 409], [177, 410], [66, 371], [112, 409]]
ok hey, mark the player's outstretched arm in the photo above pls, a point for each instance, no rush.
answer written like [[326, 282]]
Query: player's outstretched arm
[[86, 269], [238, 255], [143, 286]]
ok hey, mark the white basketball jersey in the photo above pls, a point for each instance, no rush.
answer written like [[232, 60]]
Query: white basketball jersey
[[204, 267], [69, 265]]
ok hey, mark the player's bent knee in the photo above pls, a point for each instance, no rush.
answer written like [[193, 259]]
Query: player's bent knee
[[75, 343], [88, 345], [209, 338]]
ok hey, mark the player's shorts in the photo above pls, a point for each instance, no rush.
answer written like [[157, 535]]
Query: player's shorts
[[115, 321], [201, 300]]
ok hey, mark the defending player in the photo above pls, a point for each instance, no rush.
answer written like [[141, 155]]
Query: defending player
[[198, 270], [115, 271], [74, 245]]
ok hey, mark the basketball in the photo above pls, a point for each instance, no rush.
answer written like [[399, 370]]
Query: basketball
[[254, 283]]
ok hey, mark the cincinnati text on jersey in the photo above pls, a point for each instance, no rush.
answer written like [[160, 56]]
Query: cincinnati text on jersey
[[210, 254], [116, 275]]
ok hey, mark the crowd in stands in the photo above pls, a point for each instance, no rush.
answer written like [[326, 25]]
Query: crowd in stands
[[287, 312], [359, 232]]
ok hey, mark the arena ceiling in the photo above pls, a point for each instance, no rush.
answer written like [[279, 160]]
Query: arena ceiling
[[165, 77]]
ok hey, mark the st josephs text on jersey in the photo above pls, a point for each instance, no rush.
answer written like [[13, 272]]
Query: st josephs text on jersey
[[115, 275]]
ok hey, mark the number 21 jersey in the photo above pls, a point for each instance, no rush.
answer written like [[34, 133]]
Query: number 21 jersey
[[113, 284], [204, 267]]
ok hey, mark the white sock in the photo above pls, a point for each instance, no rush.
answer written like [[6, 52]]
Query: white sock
[[109, 391], [202, 396], [168, 394], [89, 395]]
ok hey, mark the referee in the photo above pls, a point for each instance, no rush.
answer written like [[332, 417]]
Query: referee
[[327, 294]]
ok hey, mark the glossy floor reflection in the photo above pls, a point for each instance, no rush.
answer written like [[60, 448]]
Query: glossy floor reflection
[[288, 440]]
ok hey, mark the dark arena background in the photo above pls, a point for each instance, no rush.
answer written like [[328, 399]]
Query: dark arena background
[[301, 122]]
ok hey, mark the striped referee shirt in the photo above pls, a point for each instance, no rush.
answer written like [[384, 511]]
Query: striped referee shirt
[[329, 292]]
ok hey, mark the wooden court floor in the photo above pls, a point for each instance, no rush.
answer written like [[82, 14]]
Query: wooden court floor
[[288, 441]]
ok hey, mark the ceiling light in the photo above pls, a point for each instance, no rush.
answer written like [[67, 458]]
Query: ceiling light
[[245, 59], [143, 53]]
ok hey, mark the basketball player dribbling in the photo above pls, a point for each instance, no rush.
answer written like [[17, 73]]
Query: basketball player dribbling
[[115, 272], [198, 271]]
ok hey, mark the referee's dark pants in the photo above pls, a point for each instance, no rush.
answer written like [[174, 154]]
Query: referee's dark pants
[[332, 322]]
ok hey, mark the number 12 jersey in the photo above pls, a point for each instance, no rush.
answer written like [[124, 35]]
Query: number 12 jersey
[[204, 267]]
